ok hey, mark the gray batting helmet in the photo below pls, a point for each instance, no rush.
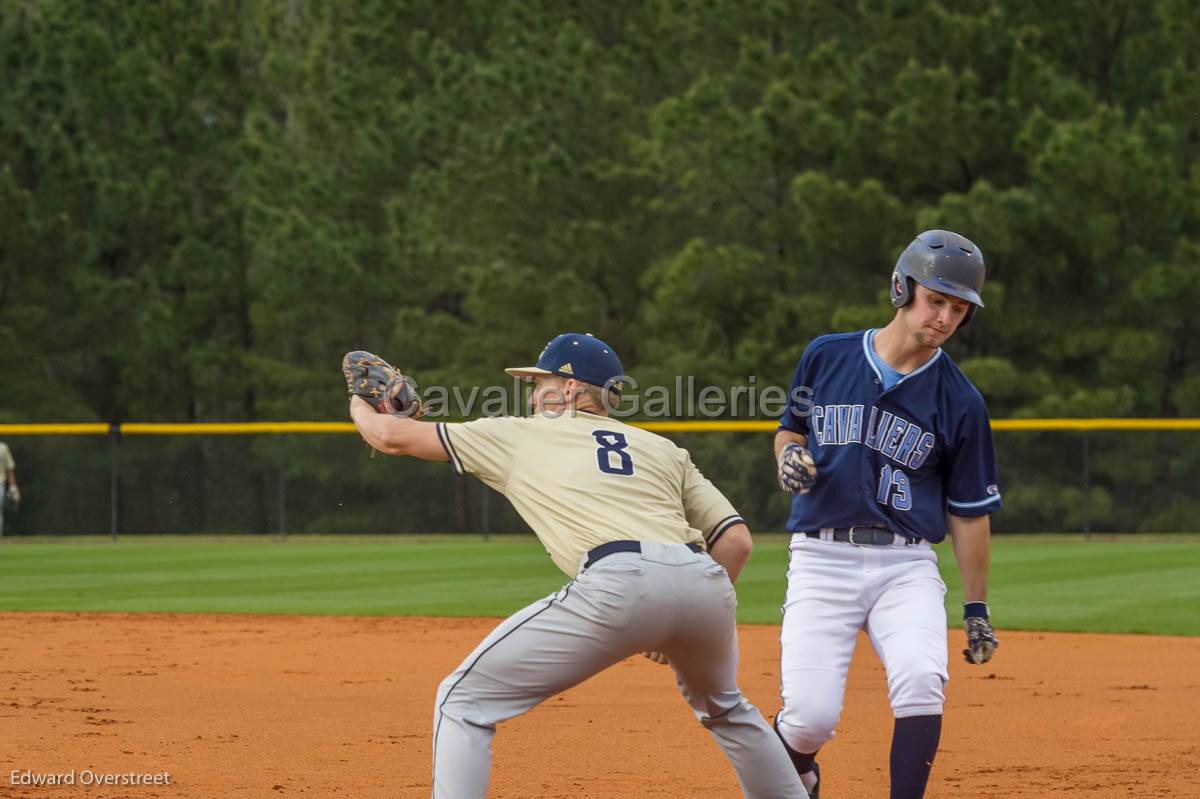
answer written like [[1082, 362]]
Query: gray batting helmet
[[940, 261]]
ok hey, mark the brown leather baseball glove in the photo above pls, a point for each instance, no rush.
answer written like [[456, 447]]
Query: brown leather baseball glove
[[380, 384]]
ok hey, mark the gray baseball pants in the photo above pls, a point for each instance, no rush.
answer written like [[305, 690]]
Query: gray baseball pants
[[666, 598]]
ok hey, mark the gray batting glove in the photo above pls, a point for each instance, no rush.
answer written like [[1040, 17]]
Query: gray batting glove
[[797, 469], [981, 638]]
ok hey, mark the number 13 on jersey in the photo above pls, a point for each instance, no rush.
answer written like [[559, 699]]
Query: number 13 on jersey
[[893, 484]]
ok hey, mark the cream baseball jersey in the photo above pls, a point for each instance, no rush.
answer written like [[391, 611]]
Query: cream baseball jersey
[[623, 512], [580, 480]]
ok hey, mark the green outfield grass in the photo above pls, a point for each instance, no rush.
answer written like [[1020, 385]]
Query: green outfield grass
[[1139, 584]]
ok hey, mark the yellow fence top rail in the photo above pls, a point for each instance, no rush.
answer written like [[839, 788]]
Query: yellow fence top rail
[[232, 428], [724, 426], [707, 426], [1096, 424], [97, 429], [710, 426]]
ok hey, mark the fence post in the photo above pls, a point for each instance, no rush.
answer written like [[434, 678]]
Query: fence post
[[484, 507], [114, 479], [459, 483], [1087, 491], [282, 492]]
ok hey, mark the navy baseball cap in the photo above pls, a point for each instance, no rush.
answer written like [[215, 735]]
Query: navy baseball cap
[[581, 356]]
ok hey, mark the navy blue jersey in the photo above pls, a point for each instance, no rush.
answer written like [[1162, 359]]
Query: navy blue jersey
[[900, 457]]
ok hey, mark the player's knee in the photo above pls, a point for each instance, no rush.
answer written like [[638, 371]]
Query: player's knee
[[445, 685], [806, 726], [918, 692], [453, 696], [715, 707]]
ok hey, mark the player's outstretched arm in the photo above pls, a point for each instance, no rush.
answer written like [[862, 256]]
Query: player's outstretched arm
[[396, 435], [732, 550], [971, 536]]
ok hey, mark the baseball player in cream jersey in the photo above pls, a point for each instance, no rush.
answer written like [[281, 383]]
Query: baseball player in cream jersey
[[886, 447], [652, 549], [9, 493]]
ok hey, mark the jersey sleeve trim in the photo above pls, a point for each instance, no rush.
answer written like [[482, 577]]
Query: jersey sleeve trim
[[981, 508], [720, 528], [444, 436], [978, 504]]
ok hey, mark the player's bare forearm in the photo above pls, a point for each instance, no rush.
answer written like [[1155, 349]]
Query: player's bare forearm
[[732, 550], [971, 536], [785, 437], [396, 435]]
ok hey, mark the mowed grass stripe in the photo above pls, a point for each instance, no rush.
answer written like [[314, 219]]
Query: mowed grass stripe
[[1138, 584], [443, 577], [1130, 584], [1043, 582]]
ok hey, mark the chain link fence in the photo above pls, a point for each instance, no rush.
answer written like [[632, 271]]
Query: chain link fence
[[326, 483]]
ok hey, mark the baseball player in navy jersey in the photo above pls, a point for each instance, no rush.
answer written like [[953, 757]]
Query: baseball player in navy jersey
[[886, 447], [652, 549]]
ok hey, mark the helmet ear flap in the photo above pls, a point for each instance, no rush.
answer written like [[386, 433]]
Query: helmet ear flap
[[902, 290]]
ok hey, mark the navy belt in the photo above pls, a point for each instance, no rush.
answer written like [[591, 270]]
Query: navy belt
[[866, 536], [604, 550]]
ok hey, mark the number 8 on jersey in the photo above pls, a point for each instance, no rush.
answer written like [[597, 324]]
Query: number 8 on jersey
[[613, 444]]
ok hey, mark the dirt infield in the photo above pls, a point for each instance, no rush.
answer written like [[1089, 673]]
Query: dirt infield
[[342, 707]]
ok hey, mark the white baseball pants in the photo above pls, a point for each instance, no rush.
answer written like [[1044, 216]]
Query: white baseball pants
[[836, 589], [665, 598]]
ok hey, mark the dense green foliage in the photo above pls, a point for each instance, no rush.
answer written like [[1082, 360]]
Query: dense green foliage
[[203, 205], [1038, 582]]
